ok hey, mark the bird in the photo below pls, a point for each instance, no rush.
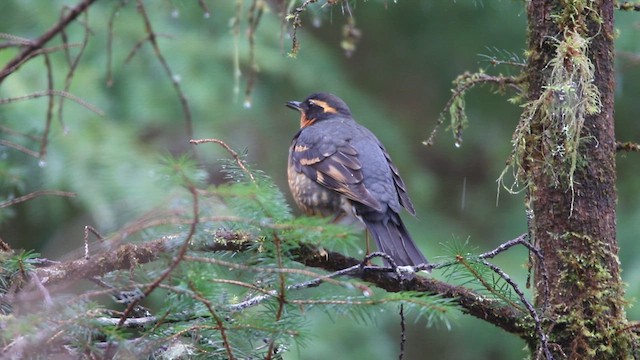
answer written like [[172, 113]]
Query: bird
[[339, 168]]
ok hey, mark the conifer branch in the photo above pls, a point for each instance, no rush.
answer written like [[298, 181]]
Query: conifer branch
[[506, 317]]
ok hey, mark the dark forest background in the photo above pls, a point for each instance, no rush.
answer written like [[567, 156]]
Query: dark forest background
[[396, 81]]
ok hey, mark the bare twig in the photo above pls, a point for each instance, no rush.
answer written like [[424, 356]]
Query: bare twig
[[255, 14], [628, 6], [235, 155], [403, 335], [11, 131], [489, 287], [523, 240], [47, 126], [73, 64], [295, 17], [45, 293], [29, 49], [129, 323], [205, 8], [152, 37], [179, 257], [217, 319], [15, 40], [38, 94], [465, 82], [19, 148], [110, 27], [543, 338], [35, 194], [627, 146], [89, 229], [281, 293]]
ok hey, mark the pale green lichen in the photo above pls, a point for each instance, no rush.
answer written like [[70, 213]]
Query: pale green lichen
[[570, 94]]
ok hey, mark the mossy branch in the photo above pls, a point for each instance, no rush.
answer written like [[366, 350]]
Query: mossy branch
[[456, 108], [128, 255]]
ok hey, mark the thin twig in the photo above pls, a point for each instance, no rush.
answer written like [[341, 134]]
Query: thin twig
[[49, 117], [235, 155], [303, 285], [281, 294], [89, 229], [403, 336], [205, 8], [466, 82], [73, 64], [255, 14], [110, 32], [43, 290], [523, 240], [138, 322], [627, 146], [180, 256], [11, 131], [532, 312], [221, 327], [38, 94], [29, 49], [64, 37], [19, 148], [295, 16], [152, 37], [15, 39], [628, 6], [489, 287], [35, 194]]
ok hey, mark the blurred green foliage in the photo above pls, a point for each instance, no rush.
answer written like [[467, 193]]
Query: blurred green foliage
[[396, 83]]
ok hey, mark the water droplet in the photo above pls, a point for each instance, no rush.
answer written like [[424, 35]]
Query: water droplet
[[42, 163], [366, 293], [207, 15], [247, 104], [317, 22], [457, 144], [177, 78]]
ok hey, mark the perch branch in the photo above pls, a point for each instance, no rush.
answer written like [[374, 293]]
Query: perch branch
[[505, 317]]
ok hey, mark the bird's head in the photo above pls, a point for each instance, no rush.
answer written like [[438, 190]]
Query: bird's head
[[318, 107]]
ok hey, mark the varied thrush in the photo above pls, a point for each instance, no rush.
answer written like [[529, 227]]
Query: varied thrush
[[339, 168]]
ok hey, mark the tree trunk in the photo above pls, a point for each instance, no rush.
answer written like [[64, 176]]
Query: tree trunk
[[572, 200]]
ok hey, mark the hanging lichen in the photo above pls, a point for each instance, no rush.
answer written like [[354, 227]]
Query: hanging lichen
[[569, 95]]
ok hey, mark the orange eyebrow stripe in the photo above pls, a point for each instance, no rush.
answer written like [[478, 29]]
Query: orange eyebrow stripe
[[324, 105]]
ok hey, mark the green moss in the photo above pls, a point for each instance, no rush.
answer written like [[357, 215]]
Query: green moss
[[589, 322], [567, 98]]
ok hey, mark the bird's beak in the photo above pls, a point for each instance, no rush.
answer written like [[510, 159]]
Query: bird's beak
[[295, 105]]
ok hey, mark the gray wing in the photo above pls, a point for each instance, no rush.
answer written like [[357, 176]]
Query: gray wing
[[333, 163]]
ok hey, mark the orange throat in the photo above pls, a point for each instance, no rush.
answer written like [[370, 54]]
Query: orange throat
[[304, 121]]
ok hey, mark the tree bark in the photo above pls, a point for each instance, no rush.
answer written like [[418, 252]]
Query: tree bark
[[573, 214]]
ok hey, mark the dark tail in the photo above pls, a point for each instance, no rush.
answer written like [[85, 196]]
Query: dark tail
[[392, 238]]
